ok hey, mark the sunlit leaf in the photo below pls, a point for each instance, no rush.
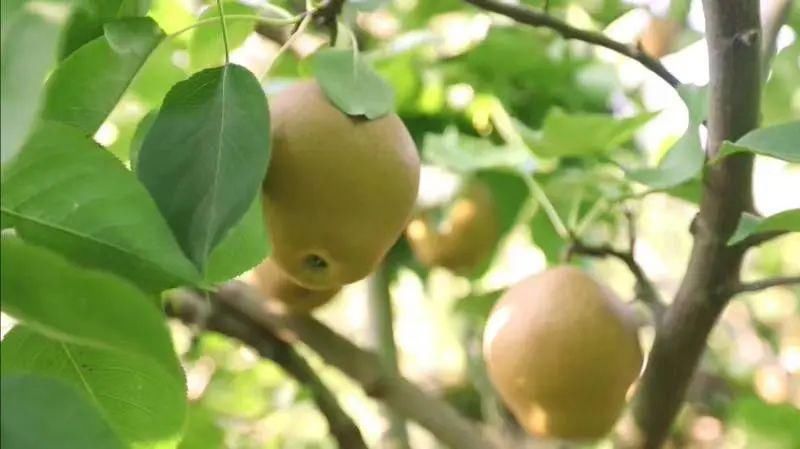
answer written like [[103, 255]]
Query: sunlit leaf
[[38, 412], [202, 432], [25, 60], [468, 154], [788, 221], [584, 134], [81, 306], [351, 84], [778, 141], [87, 85], [206, 47], [684, 160], [67, 193], [206, 155], [144, 403]]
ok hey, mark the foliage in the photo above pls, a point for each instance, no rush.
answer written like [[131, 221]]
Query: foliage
[[136, 137]]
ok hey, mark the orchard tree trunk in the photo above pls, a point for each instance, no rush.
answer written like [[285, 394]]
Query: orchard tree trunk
[[733, 33]]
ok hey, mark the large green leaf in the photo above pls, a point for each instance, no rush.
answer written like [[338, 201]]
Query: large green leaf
[[778, 141], [788, 221], [351, 84], [38, 412], [87, 85], [206, 48], [30, 42], [67, 193], [206, 155], [245, 246], [81, 306], [583, 134], [467, 154], [144, 403]]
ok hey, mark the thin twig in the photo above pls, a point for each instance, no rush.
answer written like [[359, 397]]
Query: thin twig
[[764, 284], [191, 308], [645, 291], [530, 16]]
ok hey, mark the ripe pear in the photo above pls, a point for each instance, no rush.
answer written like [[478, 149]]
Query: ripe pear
[[276, 285], [562, 351], [339, 190], [467, 236]]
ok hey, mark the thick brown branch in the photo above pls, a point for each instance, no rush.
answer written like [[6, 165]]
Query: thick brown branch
[[236, 299], [645, 291], [190, 309], [734, 44], [763, 284], [530, 16]]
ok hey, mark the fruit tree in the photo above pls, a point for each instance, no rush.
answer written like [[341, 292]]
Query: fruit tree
[[406, 224]]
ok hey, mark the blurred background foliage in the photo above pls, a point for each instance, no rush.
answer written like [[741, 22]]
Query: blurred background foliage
[[468, 84]]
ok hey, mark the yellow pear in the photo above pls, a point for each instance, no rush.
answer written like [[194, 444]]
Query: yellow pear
[[562, 351], [339, 190], [467, 236], [276, 285]]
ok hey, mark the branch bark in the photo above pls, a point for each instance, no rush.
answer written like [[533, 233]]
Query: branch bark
[[764, 284], [645, 291], [734, 44], [236, 299], [193, 309], [532, 17]]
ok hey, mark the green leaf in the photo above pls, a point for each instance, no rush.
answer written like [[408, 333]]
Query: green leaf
[[681, 163], [778, 141], [583, 134], [788, 220], [466, 154], [202, 432], [38, 412], [87, 85], [206, 155], [67, 193], [25, 60], [351, 84], [206, 48], [245, 246], [81, 306], [144, 403], [684, 160], [89, 16], [767, 426]]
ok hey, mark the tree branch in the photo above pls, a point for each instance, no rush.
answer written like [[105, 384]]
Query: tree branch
[[733, 37], [763, 284], [193, 309], [239, 301], [529, 16], [645, 291]]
